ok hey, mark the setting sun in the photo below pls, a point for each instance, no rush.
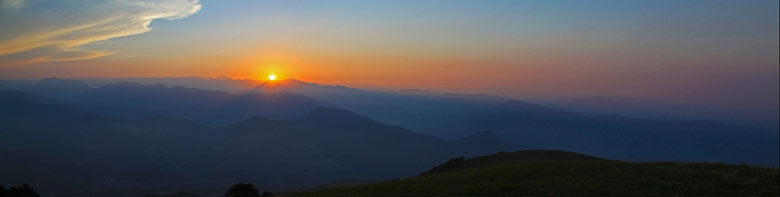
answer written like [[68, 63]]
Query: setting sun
[[264, 97]]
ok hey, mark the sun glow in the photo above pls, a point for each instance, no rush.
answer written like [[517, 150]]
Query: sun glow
[[272, 77]]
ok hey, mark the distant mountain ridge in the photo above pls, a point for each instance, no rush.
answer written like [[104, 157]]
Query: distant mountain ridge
[[449, 116], [614, 136], [156, 137], [409, 109], [138, 156], [383, 108], [211, 107]]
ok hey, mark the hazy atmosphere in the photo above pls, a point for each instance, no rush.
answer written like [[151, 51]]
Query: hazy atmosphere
[[707, 54], [521, 70]]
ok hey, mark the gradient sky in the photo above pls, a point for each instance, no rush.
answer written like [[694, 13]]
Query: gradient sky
[[709, 52]]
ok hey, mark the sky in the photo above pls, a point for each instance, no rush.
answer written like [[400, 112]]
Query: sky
[[712, 53]]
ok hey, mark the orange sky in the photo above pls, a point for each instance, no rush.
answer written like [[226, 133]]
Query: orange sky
[[723, 53]]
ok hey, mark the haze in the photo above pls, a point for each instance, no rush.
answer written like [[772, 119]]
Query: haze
[[148, 97], [691, 51]]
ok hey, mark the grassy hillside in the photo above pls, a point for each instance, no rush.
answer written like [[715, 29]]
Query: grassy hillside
[[558, 173]]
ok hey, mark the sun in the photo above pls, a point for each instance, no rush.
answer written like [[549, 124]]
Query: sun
[[272, 77]]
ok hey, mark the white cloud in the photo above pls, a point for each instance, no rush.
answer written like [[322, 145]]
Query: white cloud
[[88, 24]]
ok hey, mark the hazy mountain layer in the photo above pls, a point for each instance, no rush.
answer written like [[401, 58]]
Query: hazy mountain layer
[[614, 136], [66, 150]]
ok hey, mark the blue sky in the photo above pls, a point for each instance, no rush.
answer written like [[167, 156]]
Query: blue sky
[[712, 53]]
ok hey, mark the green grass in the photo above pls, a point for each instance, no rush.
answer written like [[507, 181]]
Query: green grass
[[557, 173]]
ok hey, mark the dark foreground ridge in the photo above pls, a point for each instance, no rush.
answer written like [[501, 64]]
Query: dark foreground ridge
[[560, 173]]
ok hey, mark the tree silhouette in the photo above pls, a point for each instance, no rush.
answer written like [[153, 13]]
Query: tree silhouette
[[267, 194], [242, 190], [23, 191]]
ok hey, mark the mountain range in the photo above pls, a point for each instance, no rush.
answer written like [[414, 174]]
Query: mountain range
[[614, 136], [135, 138], [103, 155]]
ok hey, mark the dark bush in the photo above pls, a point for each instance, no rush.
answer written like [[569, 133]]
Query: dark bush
[[23, 191], [242, 190]]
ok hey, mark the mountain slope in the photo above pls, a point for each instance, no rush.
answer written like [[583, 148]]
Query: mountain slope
[[99, 156], [557, 173], [339, 143], [67, 150], [61, 89], [613, 136]]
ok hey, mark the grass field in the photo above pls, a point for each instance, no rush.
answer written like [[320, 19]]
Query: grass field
[[558, 173]]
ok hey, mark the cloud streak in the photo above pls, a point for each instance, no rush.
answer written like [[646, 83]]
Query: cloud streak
[[90, 23]]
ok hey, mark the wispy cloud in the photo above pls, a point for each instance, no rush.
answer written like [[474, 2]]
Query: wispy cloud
[[90, 23]]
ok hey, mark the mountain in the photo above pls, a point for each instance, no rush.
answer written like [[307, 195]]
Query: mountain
[[761, 118], [90, 154], [411, 108], [12, 96], [331, 143], [222, 83], [408, 108], [614, 136], [298, 86], [559, 173], [133, 100], [18, 107], [61, 89], [64, 89], [348, 145]]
